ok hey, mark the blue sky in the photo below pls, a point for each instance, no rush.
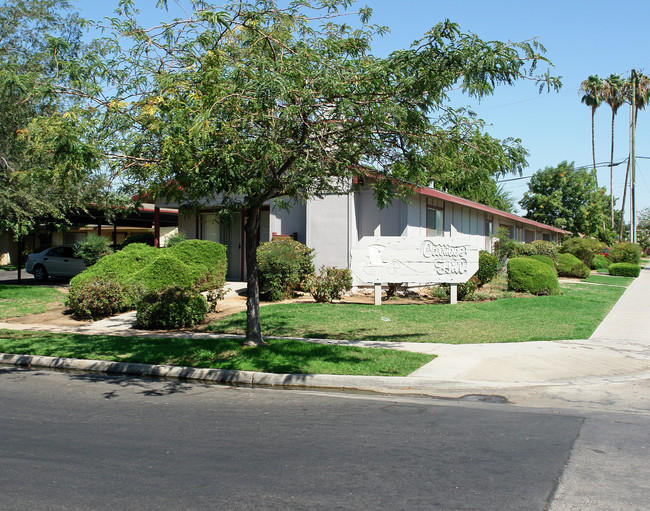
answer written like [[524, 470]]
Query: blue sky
[[581, 39]]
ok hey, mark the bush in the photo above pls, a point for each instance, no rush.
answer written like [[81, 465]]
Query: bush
[[92, 248], [329, 284], [544, 259], [283, 265], [117, 280], [467, 289], [100, 299], [488, 267], [601, 262], [625, 252], [584, 249], [209, 255], [624, 269], [175, 238], [569, 265], [166, 271], [172, 307], [119, 266], [531, 276], [146, 238], [505, 247], [545, 248]]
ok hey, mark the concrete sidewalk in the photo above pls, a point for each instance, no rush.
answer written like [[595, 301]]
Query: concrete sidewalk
[[619, 350]]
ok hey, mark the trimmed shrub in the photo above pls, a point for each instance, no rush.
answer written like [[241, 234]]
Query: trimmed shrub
[[170, 308], [100, 299], [329, 284], [601, 262], [488, 267], [209, 255], [624, 269], [569, 265], [544, 259], [584, 249], [625, 252], [146, 238], [166, 271], [119, 266], [92, 248], [196, 264], [283, 265], [531, 276]]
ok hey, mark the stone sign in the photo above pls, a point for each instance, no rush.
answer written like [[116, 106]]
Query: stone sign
[[396, 259]]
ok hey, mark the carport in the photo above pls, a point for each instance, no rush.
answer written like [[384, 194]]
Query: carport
[[146, 216]]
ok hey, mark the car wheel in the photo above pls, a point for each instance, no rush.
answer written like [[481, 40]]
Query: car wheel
[[40, 273]]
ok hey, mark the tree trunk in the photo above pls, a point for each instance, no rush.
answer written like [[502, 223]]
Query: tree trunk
[[627, 173], [611, 174], [252, 230], [593, 145]]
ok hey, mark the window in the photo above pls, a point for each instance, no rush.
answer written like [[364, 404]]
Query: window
[[435, 217], [473, 222], [210, 227]]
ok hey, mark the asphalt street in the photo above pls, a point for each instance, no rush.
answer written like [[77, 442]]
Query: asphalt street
[[77, 441]]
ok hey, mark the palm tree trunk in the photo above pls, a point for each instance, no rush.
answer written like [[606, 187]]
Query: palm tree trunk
[[593, 144], [611, 174]]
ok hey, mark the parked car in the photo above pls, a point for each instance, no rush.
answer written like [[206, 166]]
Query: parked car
[[58, 261], [604, 252]]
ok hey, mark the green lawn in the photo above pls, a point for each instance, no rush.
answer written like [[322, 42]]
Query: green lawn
[[573, 315], [23, 300], [277, 357], [611, 280]]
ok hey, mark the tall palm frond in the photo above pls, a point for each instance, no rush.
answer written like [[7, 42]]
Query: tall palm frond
[[592, 89], [613, 93]]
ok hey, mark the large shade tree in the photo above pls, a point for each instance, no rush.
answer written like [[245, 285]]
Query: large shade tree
[[569, 198], [251, 102], [40, 184]]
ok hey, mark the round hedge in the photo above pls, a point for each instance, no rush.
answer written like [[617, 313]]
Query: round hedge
[[544, 259], [569, 265], [531, 276], [171, 308]]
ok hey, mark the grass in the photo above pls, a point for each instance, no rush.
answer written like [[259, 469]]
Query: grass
[[9, 267], [24, 300], [278, 357], [573, 315], [611, 280]]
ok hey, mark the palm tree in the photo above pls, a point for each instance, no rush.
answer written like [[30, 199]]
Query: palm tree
[[591, 89], [613, 95], [636, 91]]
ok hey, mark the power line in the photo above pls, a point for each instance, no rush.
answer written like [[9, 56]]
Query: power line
[[601, 164]]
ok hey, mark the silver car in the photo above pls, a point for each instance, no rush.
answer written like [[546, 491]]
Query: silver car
[[58, 261]]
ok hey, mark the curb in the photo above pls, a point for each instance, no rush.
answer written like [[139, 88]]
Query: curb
[[379, 384], [215, 375]]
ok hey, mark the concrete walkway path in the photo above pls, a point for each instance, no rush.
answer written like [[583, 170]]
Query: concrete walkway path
[[618, 350]]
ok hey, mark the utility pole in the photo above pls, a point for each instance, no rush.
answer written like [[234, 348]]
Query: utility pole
[[635, 80]]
